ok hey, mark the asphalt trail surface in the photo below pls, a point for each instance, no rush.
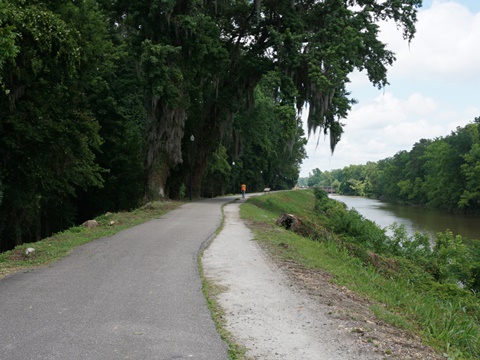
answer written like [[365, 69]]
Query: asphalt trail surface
[[134, 295]]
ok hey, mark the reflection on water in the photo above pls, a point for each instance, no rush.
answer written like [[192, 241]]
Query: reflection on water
[[414, 218]]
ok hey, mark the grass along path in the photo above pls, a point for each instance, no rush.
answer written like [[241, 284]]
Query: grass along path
[[60, 245], [451, 328]]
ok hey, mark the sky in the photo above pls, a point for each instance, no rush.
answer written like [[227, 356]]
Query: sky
[[434, 88]]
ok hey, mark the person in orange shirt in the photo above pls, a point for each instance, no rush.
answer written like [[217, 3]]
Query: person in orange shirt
[[244, 190]]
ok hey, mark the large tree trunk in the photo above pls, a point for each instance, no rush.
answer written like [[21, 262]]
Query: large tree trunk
[[156, 177], [208, 139], [165, 131]]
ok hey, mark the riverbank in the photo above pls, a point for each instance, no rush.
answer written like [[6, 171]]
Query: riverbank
[[397, 291], [414, 218]]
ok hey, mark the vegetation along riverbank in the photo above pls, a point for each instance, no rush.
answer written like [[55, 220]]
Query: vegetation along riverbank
[[429, 291], [440, 173]]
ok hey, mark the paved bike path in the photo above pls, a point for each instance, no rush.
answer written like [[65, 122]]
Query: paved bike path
[[134, 295]]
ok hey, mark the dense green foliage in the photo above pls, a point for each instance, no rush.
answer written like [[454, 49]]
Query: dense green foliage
[[99, 98], [48, 133], [442, 173], [449, 260], [432, 286]]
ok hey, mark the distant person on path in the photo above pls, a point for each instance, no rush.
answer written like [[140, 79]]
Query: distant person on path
[[244, 190]]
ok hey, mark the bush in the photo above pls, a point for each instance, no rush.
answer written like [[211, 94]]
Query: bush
[[453, 260], [350, 224], [323, 203]]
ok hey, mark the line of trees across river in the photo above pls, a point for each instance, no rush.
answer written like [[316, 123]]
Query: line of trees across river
[[442, 173], [106, 104]]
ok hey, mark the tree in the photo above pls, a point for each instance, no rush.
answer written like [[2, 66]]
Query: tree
[[412, 187], [326, 179], [371, 178], [270, 139], [470, 197], [117, 103], [103, 107], [390, 173], [49, 134], [315, 177], [441, 181], [218, 171], [353, 182], [200, 64]]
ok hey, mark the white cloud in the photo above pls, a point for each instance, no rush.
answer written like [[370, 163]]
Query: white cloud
[[433, 90], [387, 118], [445, 44], [384, 126]]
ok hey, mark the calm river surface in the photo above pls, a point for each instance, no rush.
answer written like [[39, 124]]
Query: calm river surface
[[414, 218]]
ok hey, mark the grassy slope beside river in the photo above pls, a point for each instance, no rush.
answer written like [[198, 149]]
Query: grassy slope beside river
[[398, 291]]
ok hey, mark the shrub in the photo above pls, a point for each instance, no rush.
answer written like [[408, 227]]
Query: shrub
[[453, 259]]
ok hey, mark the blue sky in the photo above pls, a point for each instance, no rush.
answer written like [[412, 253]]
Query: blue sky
[[434, 87]]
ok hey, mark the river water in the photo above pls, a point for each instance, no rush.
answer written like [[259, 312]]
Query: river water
[[414, 218]]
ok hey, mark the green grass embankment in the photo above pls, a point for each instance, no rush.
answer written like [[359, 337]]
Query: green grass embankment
[[402, 293]]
